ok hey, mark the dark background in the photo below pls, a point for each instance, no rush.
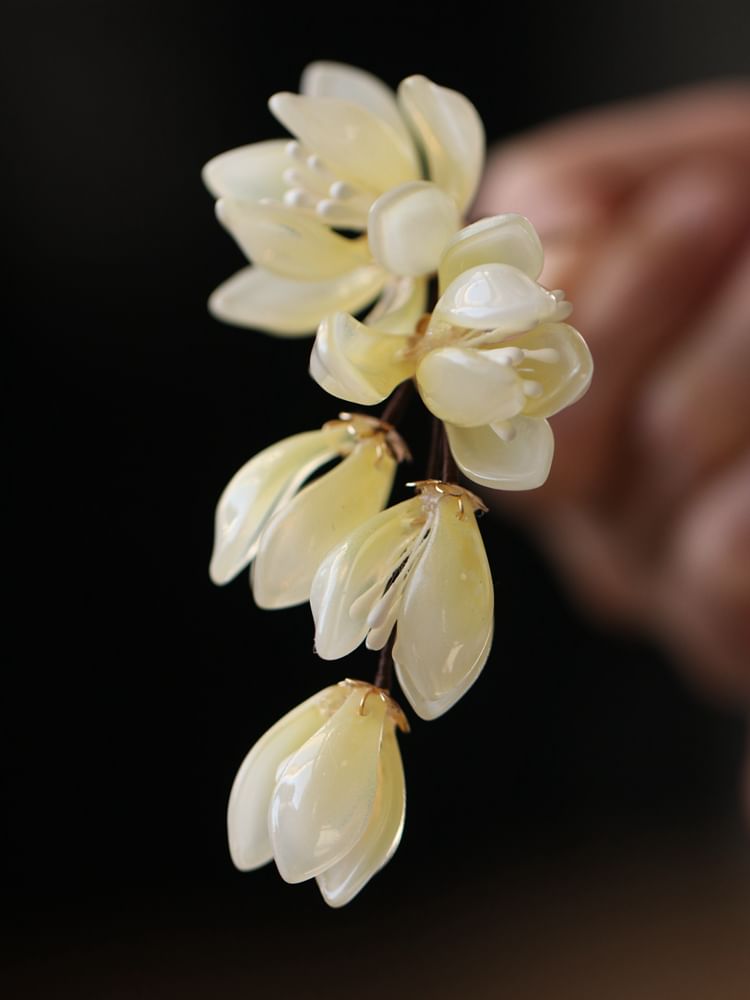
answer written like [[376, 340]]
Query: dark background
[[136, 687]]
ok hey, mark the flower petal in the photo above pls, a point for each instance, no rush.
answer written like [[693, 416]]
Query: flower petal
[[333, 79], [324, 796], [496, 297], [356, 363], [360, 146], [444, 630], [340, 883], [467, 387], [263, 485], [522, 463], [298, 537], [409, 226], [400, 306], [286, 242], [451, 134], [563, 380], [353, 576], [502, 239], [248, 173], [247, 815], [258, 299]]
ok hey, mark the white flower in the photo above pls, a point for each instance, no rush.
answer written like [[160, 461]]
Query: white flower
[[353, 165], [264, 515], [322, 792], [420, 565], [493, 360]]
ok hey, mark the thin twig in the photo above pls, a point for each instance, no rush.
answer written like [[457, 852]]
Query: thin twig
[[449, 472], [398, 403], [384, 675]]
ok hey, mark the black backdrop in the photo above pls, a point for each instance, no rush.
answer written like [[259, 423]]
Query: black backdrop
[[135, 686]]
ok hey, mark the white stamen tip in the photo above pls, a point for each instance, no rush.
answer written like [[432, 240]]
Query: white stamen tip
[[558, 293], [314, 162], [504, 430], [546, 355], [296, 198], [326, 208], [532, 389], [293, 150], [340, 189]]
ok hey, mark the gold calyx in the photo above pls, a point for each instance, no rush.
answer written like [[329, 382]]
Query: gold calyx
[[362, 426], [394, 711], [437, 488]]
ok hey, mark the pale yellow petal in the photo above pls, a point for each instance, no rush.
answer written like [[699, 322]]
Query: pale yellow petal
[[559, 360], [401, 305], [502, 239], [445, 624], [521, 463], [324, 796], [263, 301], [409, 227], [248, 173], [298, 538], [340, 883], [358, 363], [247, 815], [289, 243], [467, 387], [451, 134]]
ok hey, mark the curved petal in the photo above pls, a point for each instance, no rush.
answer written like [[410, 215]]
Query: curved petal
[[409, 226], [334, 79], [287, 242], [400, 306], [362, 147], [340, 883], [324, 796], [248, 173], [357, 363], [522, 463], [468, 387], [559, 360], [247, 815], [353, 576], [444, 630], [451, 134], [298, 537], [263, 485], [502, 239], [263, 301], [496, 297]]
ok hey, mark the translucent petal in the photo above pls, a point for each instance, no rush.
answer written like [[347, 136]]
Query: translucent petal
[[353, 575], [258, 299], [357, 363], [360, 146], [400, 306], [444, 629], [287, 242], [496, 297], [409, 226], [522, 463], [451, 134], [262, 485], [564, 380], [467, 387], [502, 239], [298, 537], [332, 79], [248, 173], [324, 796], [247, 815], [340, 883]]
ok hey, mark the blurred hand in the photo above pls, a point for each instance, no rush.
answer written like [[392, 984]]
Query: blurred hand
[[644, 213]]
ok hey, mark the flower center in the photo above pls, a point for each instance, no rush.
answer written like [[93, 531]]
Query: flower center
[[314, 188]]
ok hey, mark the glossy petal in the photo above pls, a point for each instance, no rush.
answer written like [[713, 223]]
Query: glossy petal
[[468, 387], [262, 485], [264, 301], [445, 623], [324, 796], [247, 815], [298, 537], [409, 227], [287, 242], [451, 135], [502, 239], [248, 173], [356, 363], [353, 576], [522, 463], [360, 146], [400, 306], [496, 297], [563, 381], [340, 883]]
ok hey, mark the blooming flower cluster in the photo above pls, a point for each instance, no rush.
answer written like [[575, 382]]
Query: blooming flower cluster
[[356, 213]]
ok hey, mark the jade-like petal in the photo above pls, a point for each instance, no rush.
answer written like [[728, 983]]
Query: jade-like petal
[[409, 226], [468, 387], [521, 463], [501, 239], [248, 173], [562, 381]]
